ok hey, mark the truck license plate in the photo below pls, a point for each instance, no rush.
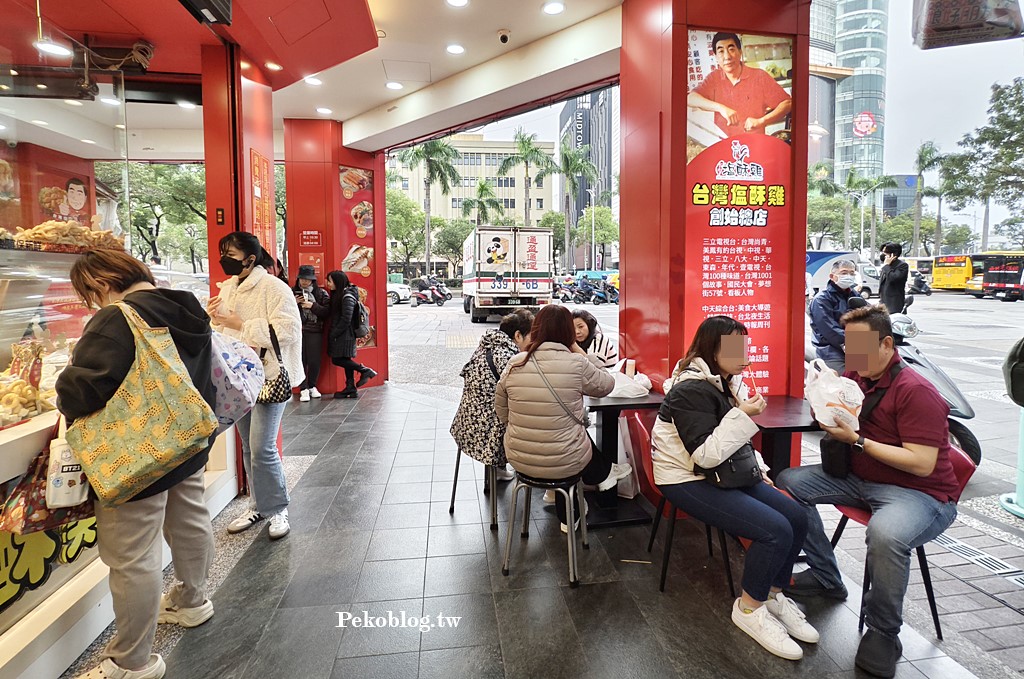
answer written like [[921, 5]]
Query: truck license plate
[[513, 301]]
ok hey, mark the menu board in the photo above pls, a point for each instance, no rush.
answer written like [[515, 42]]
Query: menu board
[[263, 218], [357, 237]]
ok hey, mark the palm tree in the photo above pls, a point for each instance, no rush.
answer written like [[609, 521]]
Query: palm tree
[[943, 189], [527, 154], [927, 158], [573, 165], [438, 158], [393, 178], [856, 190], [483, 202]]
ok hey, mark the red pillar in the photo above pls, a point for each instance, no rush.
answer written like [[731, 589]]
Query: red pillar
[[327, 220], [664, 235]]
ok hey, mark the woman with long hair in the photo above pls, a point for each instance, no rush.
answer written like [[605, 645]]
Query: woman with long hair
[[546, 436], [252, 303], [314, 308], [341, 337], [129, 535], [704, 421], [601, 348]]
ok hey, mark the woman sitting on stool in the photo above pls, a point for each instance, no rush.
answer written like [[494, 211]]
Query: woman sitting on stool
[[546, 438], [704, 421]]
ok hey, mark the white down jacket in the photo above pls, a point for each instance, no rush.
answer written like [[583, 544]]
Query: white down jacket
[[542, 440]]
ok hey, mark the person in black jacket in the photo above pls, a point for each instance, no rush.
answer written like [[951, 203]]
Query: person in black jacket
[[129, 534], [341, 338], [314, 307], [892, 286]]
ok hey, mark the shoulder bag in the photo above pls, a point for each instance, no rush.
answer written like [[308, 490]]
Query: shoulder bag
[[279, 389], [836, 455], [741, 470], [585, 422]]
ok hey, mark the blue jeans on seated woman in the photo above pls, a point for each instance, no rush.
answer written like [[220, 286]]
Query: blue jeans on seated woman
[[776, 524]]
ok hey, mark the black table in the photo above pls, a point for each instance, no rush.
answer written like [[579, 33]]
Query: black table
[[784, 416], [608, 509]]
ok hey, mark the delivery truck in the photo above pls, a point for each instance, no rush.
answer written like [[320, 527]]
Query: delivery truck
[[505, 268]]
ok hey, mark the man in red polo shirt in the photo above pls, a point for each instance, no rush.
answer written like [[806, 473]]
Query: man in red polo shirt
[[901, 471], [743, 98]]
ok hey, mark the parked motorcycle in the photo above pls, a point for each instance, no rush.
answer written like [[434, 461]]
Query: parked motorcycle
[[904, 328], [919, 286]]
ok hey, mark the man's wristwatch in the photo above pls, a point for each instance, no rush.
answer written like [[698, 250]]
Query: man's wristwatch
[[859, 445]]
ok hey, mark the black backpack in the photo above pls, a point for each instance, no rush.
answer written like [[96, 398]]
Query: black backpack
[[360, 319], [1013, 373]]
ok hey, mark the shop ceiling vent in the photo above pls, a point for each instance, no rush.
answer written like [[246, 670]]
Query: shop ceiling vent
[[209, 11]]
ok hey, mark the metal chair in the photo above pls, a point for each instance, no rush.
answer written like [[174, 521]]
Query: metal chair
[[964, 469], [572, 491], [641, 439], [490, 484]]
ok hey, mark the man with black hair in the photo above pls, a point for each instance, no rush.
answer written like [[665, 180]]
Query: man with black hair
[[743, 98], [892, 287], [900, 469]]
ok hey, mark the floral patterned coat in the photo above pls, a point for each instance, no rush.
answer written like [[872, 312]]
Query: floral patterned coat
[[476, 428]]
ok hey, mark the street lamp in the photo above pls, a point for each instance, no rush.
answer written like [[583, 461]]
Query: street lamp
[[593, 210], [974, 227], [861, 195]]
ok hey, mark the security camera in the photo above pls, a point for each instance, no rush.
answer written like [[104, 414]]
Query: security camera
[[504, 35]]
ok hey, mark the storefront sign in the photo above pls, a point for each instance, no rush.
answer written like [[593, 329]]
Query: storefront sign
[[738, 189], [263, 219], [311, 239]]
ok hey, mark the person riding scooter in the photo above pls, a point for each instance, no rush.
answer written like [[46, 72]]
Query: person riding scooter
[[919, 286]]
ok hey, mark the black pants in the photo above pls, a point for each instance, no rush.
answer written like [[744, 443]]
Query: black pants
[[312, 348], [351, 367], [595, 472]]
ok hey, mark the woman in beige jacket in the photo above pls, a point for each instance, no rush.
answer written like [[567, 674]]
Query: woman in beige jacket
[[546, 436]]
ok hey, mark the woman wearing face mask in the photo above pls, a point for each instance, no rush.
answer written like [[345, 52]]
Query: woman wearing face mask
[[341, 338], [827, 307], [600, 348], [705, 420], [314, 307], [250, 303]]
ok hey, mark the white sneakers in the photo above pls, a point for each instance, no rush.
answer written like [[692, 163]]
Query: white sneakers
[[108, 669], [505, 474], [184, 617], [791, 617], [279, 525], [619, 471], [304, 396], [315, 393], [576, 526], [246, 521], [766, 630]]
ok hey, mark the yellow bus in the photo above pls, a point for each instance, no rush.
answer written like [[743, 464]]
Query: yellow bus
[[951, 272]]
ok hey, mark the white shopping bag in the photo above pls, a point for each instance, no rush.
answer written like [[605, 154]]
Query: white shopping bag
[[66, 483], [832, 397], [636, 385], [629, 486]]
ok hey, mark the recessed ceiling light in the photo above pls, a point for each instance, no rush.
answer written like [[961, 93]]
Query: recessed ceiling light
[[392, 85], [110, 101], [381, 34], [314, 81], [243, 64], [553, 7], [455, 49], [457, 3], [40, 122], [323, 110], [274, 67], [48, 46], [186, 105], [88, 141], [72, 102], [41, 86], [119, 126], [13, 72]]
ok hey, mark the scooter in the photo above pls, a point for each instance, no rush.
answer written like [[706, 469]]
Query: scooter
[[613, 293], [429, 296], [441, 287], [904, 328], [565, 292], [919, 286], [599, 296]]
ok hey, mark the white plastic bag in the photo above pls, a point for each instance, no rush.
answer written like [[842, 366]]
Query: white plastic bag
[[66, 483], [629, 486], [637, 386], [832, 397]]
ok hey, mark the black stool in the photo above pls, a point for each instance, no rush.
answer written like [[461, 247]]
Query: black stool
[[572, 490], [490, 484]]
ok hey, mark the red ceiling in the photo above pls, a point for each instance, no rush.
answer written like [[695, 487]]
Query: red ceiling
[[304, 36]]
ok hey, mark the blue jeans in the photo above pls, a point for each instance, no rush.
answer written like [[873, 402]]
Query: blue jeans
[[902, 519], [775, 523], [258, 431]]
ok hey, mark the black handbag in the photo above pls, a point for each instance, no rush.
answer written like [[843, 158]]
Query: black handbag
[[836, 455], [279, 389], [741, 470]]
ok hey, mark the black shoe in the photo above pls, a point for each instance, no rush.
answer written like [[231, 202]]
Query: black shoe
[[804, 584], [366, 376], [878, 654], [347, 393]]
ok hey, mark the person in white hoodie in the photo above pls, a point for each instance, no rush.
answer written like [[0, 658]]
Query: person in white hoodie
[[704, 421], [250, 303]]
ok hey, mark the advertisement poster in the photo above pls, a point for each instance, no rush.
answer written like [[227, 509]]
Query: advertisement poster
[[315, 260], [357, 239], [64, 197], [10, 193], [739, 167], [264, 220]]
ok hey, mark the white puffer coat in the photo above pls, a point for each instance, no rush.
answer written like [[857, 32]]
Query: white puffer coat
[[542, 440], [263, 300]]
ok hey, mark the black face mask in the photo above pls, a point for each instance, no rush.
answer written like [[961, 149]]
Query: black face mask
[[232, 266]]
